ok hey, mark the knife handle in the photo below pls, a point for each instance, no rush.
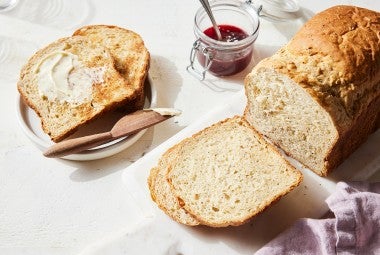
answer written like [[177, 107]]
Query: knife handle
[[77, 144]]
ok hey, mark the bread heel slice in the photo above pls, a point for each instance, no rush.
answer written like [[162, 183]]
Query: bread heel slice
[[161, 191]]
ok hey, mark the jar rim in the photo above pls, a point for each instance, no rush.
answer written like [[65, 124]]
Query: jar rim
[[248, 9]]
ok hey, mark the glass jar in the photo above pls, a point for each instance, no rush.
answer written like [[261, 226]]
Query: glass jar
[[224, 58]]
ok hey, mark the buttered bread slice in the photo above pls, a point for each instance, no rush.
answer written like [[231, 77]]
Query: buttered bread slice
[[227, 173], [71, 82], [130, 54]]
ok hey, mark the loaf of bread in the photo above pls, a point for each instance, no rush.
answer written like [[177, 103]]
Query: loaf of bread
[[221, 176], [77, 79], [130, 54], [318, 97]]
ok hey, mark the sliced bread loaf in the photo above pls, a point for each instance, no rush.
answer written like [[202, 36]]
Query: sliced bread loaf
[[130, 54], [318, 98], [161, 191], [227, 173], [71, 82]]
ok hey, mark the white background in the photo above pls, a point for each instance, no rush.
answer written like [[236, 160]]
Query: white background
[[53, 206]]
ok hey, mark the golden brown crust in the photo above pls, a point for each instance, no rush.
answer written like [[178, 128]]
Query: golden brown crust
[[349, 141], [60, 119], [123, 87], [345, 40], [127, 48], [335, 57], [350, 35], [161, 193]]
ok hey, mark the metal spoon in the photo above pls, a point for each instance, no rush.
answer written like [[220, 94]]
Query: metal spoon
[[207, 8]]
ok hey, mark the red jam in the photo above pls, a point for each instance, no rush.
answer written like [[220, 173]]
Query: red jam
[[229, 33], [227, 62]]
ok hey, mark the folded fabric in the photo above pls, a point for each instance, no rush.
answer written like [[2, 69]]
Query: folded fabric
[[354, 230]]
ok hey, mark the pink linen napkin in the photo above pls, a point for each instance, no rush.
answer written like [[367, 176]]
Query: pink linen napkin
[[354, 230]]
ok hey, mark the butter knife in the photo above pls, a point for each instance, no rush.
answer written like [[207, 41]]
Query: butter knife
[[127, 125]]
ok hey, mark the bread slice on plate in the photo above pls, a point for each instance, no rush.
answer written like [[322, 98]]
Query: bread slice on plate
[[161, 191], [318, 98], [71, 82], [227, 173], [129, 52], [74, 80]]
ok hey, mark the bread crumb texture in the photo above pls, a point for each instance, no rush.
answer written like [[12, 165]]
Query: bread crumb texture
[[227, 173], [318, 96]]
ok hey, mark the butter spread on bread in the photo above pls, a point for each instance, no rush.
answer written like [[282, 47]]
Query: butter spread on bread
[[62, 77], [77, 79]]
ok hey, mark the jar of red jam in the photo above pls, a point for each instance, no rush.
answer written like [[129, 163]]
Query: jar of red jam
[[239, 24]]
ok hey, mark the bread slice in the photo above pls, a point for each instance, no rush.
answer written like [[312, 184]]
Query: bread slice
[[130, 54], [318, 98], [227, 173], [162, 194], [88, 66], [121, 61]]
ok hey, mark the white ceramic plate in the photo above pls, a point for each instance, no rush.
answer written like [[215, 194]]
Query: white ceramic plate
[[30, 124]]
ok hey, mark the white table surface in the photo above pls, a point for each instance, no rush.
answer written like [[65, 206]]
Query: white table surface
[[54, 206]]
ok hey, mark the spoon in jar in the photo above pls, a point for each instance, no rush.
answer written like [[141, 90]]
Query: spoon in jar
[[206, 6]]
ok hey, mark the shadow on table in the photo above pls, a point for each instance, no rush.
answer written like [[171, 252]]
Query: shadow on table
[[307, 200], [96, 169], [289, 28], [64, 15], [166, 80]]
